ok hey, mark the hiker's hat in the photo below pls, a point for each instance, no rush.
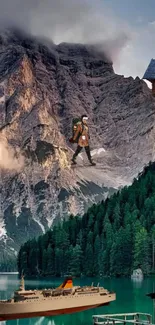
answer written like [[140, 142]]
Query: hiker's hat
[[84, 117]]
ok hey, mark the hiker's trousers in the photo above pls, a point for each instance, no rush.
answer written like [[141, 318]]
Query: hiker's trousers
[[79, 149]]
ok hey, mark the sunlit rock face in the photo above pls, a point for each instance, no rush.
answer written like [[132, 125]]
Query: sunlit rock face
[[42, 87]]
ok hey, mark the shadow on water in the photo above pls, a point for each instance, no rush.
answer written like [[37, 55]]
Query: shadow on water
[[131, 297]]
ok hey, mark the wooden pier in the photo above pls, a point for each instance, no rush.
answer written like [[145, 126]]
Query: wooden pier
[[132, 318]]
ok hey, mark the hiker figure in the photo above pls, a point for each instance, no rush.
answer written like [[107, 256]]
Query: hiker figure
[[81, 137]]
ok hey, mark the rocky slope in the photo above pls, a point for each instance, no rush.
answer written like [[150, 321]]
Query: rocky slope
[[42, 87]]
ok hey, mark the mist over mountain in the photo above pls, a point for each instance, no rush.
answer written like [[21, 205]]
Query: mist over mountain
[[69, 21]]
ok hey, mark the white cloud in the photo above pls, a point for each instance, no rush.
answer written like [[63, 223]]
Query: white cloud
[[79, 21]]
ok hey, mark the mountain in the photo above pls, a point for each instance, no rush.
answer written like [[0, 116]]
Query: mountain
[[42, 87], [111, 239]]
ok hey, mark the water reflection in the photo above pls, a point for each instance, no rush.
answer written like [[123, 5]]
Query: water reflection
[[35, 321], [8, 284], [137, 283]]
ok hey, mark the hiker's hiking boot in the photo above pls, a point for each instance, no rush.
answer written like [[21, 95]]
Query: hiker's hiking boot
[[73, 161], [92, 163]]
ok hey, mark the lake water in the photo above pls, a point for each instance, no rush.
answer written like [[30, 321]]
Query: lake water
[[131, 297]]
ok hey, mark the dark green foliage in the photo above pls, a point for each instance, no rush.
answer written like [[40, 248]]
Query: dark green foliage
[[112, 238]]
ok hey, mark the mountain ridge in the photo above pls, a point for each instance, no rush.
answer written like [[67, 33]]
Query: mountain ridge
[[42, 87]]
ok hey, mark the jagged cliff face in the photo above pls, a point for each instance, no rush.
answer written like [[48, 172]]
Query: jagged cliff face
[[42, 87]]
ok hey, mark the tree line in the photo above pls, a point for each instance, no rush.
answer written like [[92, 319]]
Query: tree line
[[111, 239]]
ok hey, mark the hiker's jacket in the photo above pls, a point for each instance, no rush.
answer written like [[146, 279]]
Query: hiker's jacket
[[83, 133]]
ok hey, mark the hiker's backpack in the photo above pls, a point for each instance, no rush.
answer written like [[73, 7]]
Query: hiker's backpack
[[75, 123]]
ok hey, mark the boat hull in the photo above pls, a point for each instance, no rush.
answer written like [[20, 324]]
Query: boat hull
[[53, 307], [49, 312]]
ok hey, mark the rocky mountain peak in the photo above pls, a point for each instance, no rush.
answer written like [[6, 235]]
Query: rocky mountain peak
[[42, 87]]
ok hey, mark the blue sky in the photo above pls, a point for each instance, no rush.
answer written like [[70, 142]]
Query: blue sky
[[139, 16], [132, 10]]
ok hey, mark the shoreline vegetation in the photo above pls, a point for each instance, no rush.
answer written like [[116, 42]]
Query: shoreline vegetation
[[48, 277], [111, 239]]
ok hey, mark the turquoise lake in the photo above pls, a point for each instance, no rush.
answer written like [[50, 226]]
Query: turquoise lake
[[131, 297]]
